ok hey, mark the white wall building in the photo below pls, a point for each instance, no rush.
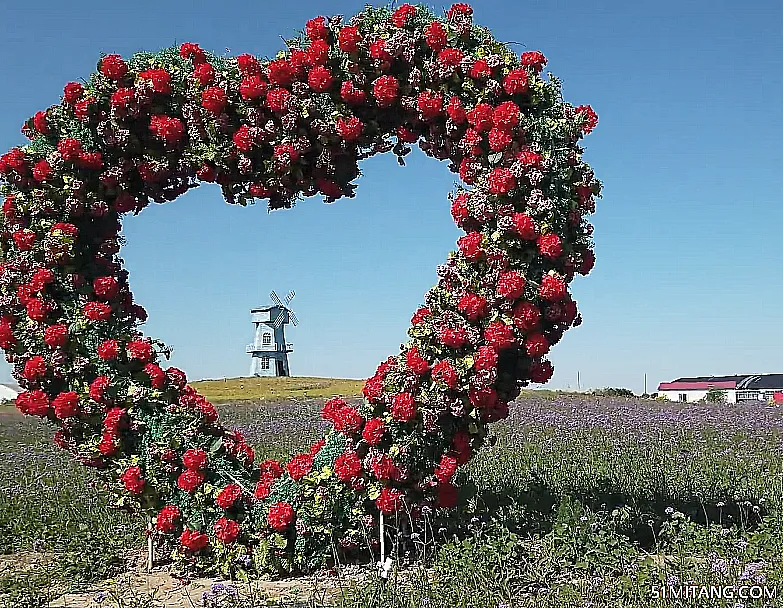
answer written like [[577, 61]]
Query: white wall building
[[760, 388]]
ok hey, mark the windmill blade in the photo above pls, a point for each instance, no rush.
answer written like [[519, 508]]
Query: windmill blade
[[290, 296], [275, 299], [293, 318], [279, 320]]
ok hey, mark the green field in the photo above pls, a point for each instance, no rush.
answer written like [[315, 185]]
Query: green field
[[582, 501]]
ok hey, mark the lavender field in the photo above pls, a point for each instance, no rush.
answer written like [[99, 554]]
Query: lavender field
[[580, 497]]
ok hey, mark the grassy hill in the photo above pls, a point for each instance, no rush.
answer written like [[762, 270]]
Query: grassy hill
[[270, 389]]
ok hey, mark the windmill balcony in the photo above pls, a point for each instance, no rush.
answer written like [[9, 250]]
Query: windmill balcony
[[256, 348]]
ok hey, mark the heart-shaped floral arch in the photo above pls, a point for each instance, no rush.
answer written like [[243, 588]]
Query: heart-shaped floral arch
[[154, 126]]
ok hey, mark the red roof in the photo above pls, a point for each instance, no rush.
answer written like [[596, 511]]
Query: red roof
[[695, 386]]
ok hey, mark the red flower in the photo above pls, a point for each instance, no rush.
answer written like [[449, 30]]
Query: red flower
[[37, 309], [320, 79], [98, 387], [550, 245], [373, 389], [140, 350], [160, 79], [214, 99], [418, 364], [42, 170], [385, 90], [105, 288], [589, 119], [195, 459], [7, 338], [378, 50], [34, 368], [69, 149], [445, 372], [122, 97], [484, 398], [226, 530], [72, 92], [252, 87], [459, 9], [383, 467], [132, 480], [350, 129], [481, 117], [525, 227], [286, 152], [280, 72], [480, 69], [33, 403], [167, 128], [347, 420], [541, 372], [189, 480], [373, 431], [553, 288], [66, 405], [349, 38], [55, 335], [243, 139], [13, 160], [192, 51], [511, 285], [501, 180], [530, 158], [456, 110], [499, 140], [108, 350], [526, 316], [534, 59], [403, 407], [506, 116], [299, 466], [347, 466], [516, 81], [389, 501], [228, 496], [430, 104], [24, 239], [450, 58], [156, 374], [113, 67], [446, 468], [447, 496], [470, 246], [435, 35], [280, 516], [97, 311], [400, 16], [452, 337], [588, 262], [420, 315], [40, 123], [352, 95], [317, 53], [41, 278], [316, 29], [193, 540], [248, 65], [486, 358], [166, 519], [499, 335], [459, 209], [90, 160], [474, 307], [536, 345]]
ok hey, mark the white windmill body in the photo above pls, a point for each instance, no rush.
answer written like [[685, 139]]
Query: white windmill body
[[269, 350]]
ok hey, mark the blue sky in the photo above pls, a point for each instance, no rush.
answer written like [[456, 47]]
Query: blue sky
[[687, 235]]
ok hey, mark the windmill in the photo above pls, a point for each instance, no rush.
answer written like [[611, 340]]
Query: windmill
[[269, 350]]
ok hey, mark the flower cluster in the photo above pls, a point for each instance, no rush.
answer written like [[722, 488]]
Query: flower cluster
[[150, 127]]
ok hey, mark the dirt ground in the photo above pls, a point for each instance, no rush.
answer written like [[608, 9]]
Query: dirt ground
[[161, 589]]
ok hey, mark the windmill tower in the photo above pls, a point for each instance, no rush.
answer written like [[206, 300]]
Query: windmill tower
[[269, 350]]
